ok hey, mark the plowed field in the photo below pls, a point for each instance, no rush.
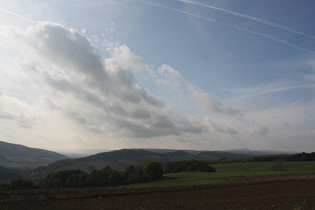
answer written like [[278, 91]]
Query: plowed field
[[288, 192]]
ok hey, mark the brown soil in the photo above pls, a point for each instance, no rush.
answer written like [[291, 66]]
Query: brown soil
[[281, 192]]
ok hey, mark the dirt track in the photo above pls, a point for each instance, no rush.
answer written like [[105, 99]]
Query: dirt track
[[289, 192]]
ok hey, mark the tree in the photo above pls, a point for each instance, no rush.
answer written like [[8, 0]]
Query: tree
[[139, 174], [129, 174], [90, 168], [73, 181], [188, 165], [97, 179], [58, 179], [83, 179], [4, 186], [204, 166], [105, 177], [77, 180], [153, 170], [115, 178], [21, 184]]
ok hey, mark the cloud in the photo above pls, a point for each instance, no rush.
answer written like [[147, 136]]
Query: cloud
[[211, 103], [122, 57], [67, 49], [58, 90], [14, 110], [25, 122], [4, 115], [95, 94], [261, 130], [169, 77]]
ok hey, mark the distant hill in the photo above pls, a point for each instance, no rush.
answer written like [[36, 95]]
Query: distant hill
[[221, 155], [21, 157], [119, 159], [258, 152], [82, 152]]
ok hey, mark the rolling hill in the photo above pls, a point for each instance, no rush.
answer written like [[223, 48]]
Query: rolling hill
[[119, 159], [21, 157]]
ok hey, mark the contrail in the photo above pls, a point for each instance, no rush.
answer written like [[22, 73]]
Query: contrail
[[16, 15], [262, 91], [232, 26], [266, 22]]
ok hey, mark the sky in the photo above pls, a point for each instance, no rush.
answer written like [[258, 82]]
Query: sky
[[172, 74]]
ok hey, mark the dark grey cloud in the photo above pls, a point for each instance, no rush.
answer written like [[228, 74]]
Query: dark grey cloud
[[263, 130], [5, 116], [224, 129], [24, 121], [68, 49], [139, 113], [78, 117]]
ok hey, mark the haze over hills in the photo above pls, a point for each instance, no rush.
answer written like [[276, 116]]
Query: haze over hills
[[43, 162], [20, 156], [119, 159], [82, 152]]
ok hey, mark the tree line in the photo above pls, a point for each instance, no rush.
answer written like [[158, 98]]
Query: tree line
[[301, 157], [294, 157], [188, 165], [270, 158], [107, 176]]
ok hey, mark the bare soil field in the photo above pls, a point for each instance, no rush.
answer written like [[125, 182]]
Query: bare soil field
[[281, 192]]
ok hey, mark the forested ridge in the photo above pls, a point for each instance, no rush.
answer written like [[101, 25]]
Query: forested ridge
[[107, 176]]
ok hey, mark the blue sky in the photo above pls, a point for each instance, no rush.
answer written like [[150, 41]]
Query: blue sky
[[180, 74]]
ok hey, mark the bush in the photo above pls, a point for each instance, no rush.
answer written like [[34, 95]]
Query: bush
[[107, 176], [129, 174], [188, 165], [4, 186], [21, 184], [59, 179], [153, 170]]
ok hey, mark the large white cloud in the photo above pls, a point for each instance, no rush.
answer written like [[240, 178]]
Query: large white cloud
[[98, 95], [58, 90]]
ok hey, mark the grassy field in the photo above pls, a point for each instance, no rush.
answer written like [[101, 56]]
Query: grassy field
[[264, 166], [227, 172], [23, 163]]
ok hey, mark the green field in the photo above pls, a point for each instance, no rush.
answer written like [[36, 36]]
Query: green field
[[227, 172], [24, 162]]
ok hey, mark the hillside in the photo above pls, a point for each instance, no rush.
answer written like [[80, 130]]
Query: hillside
[[119, 159], [19, 156]]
